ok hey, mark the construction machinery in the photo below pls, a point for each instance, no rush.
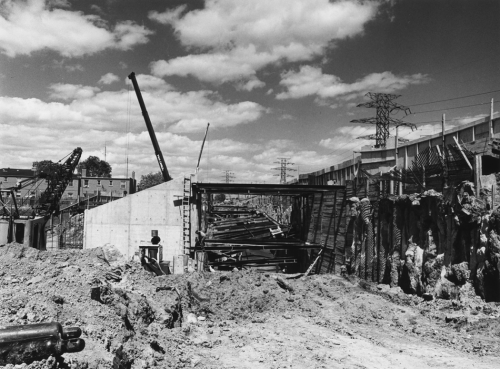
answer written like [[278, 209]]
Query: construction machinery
[[26, 225], [158, 153]]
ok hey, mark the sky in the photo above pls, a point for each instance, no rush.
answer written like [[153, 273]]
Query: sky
[[274, 78]]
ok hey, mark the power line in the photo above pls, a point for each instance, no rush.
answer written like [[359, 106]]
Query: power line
[[430, 121], [444, 109], [455, 98]]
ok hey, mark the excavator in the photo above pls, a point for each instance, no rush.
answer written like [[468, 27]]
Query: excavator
[[27, 225]]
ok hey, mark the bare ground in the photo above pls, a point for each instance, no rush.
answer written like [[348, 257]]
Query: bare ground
[[240, 319]]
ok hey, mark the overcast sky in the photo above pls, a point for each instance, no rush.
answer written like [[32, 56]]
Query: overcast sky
[[275, 78]]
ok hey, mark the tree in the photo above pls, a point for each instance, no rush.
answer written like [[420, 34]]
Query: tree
[[95, 167], [150, 180], [39, 165]]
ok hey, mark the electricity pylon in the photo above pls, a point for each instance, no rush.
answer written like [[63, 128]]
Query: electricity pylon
[[228, 176], [283, 168], [385, 107]]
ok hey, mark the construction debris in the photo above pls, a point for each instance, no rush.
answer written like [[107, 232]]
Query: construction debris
[[145, 321]]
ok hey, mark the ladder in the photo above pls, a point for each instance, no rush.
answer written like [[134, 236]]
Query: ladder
[[186, 216]]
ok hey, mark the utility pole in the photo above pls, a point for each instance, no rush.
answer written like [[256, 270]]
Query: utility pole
[[228, 176], [283, 168], [445, 153], [385, 107], [491, 118]]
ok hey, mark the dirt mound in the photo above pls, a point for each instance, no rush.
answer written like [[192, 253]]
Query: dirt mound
[[124, 311], [132, 319]]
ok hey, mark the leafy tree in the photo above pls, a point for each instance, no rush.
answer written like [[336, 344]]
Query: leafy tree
[[46, 168], [39, 165], [150, 180], [95, 167]]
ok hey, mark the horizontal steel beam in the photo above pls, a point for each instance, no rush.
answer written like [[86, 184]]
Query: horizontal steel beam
[[263, 189]]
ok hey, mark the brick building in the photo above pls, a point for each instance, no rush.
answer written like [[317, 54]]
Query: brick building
[[82, 186]]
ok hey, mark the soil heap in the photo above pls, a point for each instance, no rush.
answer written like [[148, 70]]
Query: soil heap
[[241, 319]]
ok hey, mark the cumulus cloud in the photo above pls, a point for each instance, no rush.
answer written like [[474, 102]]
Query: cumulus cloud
[[56, 64], [41, 24], [239, 37], [250, 85], [240, 63], [168, 109], [109, 78], [310, 81], [345, 140], [148, 82], [66, 91], [15, 110], [221, 115], [180, 151], [85, 116]]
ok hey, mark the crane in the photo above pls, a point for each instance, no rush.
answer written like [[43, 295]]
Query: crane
[[159, 155], [201, 151], [57, 176]]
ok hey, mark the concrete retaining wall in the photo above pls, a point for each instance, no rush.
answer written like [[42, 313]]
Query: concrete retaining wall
[[126, 222]]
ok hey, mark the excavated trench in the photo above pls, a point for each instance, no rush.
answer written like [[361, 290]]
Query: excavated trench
[[432, 244]]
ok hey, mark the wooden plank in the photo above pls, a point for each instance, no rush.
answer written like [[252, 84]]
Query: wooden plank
[[462, 152]]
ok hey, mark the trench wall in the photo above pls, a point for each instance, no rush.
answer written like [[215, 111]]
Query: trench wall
[[431, 243]]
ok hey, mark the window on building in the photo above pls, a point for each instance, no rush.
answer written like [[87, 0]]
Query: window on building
[[71, 183], [32, 193], [123, 184], [111, 183], [86, 182], [99, 182], [70, 195], [6, 179], [18, 195]]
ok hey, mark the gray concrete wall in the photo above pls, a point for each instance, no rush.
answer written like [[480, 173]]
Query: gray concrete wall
[[126, 222]]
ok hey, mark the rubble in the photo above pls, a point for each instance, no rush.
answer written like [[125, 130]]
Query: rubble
[[232, 319]]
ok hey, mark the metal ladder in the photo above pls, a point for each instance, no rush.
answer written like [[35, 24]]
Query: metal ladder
[[186, 216]]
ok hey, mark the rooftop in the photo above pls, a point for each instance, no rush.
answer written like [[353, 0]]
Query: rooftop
[[13, 172]]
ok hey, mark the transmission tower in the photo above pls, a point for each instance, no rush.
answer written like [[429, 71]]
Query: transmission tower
[[228, 176], [385, 107], [283, 168]]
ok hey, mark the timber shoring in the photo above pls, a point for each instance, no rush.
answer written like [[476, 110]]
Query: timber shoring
[[312, 223]]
